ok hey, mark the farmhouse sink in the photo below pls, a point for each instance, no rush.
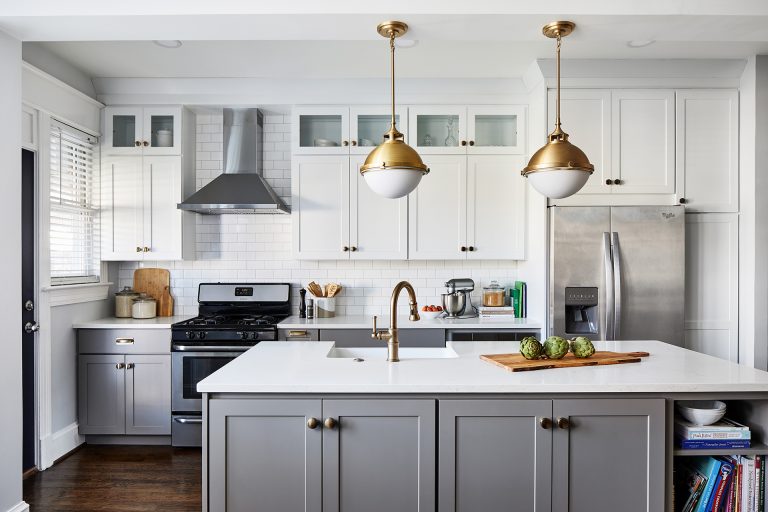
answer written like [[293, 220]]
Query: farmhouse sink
[[380, 353]]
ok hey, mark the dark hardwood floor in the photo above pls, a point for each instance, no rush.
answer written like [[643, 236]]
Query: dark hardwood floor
[[119, 478]]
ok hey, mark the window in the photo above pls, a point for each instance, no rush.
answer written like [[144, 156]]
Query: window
[[74, 235]]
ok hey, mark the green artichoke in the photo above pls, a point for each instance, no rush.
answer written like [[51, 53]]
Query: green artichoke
[[555, 347], [530, 348], [582, 346]]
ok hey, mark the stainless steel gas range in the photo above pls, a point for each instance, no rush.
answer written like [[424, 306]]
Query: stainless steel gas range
[[233, 317]]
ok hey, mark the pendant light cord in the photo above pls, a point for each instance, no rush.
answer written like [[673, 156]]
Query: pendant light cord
[[392, 77]]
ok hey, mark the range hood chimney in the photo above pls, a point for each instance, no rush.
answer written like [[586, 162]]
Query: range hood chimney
[[241, 188]]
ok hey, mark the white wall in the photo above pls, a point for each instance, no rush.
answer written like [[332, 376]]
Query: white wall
[[10, 275], [258, 247]]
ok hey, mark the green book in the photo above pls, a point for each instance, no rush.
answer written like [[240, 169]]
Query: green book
[[521, 310], [514, 295]]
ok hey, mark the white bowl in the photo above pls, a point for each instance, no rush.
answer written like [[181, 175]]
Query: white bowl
[[701, 412], [325, 143], [430, 315]]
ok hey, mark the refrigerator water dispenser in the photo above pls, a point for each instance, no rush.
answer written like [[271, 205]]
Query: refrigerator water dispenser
[[581, 315]]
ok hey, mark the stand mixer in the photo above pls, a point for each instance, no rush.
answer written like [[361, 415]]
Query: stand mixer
[[457, 302]]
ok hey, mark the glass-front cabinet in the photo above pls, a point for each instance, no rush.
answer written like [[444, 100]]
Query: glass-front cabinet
[[485, 129], [142, 130], [343, 130]]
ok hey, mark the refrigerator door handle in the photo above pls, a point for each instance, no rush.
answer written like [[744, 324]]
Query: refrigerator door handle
[[616, 253], [609, 287]]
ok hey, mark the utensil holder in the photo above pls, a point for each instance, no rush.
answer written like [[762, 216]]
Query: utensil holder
[[325, 307]]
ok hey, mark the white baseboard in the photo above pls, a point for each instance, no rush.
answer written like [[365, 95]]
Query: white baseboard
[[21, 507], [59, 444]]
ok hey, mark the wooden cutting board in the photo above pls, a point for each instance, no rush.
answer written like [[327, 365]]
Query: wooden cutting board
[[153, 282], [517, 363]]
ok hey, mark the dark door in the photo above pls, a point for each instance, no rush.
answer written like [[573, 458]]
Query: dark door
[[29, 327]]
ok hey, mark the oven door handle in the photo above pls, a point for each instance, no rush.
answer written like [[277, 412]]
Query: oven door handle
[[185, 421], [209, 348]]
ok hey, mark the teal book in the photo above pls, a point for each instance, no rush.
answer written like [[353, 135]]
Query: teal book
[[708, 466]]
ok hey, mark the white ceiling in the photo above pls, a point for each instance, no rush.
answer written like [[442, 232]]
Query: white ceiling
[[289, 39]]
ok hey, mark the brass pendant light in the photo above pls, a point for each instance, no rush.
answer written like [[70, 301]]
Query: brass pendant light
[[393, 169], [559, 169]]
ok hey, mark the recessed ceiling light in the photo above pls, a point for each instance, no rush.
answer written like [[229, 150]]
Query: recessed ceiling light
[[406, 43], [171, 43], [640, 43]]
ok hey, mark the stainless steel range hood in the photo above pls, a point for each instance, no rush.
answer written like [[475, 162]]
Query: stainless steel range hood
[[242, 188]]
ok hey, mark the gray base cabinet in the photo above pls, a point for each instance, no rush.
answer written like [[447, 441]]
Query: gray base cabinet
[[148, 395], [373, 455], [101, 394]]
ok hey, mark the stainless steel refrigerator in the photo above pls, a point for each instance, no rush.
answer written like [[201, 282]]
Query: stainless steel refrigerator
[[617, 272]]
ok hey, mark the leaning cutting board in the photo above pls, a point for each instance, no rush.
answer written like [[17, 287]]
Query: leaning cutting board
[[517, 363], [153, 282]]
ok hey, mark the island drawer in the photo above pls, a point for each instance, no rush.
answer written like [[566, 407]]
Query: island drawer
[[124, 341]]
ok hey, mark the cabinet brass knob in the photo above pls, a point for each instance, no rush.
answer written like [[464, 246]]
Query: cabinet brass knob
[[146, 249], [120, 366], [138, 143], [617, 182], [353, 248], [563, 423], [354, 143], [463, 249], [129, 366], [346, 248], [546, 423], [312, 423], [683, 200], [471, 143], [463, 143], [138, 249], [345, 143], [330, 423], [145, 143], [609, 182], [471, 248]]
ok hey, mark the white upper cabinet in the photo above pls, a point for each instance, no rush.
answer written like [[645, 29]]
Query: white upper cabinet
[[437, 220], [438, 130], [378, 226], [142, 130], [162, 219], [494, 129], [320, 130], [122, 208], [320, 207], [586, 117], [368, 124], [643, 142], [496, 209], [707, 149]]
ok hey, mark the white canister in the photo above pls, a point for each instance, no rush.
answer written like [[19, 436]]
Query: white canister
[[144, 307], [164, 138], [325, 307], [124, 302]]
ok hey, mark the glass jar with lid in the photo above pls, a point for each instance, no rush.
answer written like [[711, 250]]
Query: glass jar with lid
[[124, 302], [493, 295]]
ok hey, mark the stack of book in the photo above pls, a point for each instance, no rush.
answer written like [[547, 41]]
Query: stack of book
[[500, 312], [724, 434], [721, 484]]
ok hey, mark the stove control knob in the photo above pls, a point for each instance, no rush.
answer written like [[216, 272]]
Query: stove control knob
[[189, 334], [201, 335], [243, 335]]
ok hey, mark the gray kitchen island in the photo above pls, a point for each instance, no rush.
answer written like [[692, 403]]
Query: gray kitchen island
[[296, 426]]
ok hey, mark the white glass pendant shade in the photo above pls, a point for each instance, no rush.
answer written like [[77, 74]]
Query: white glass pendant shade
[[393, 182], [559, 182]]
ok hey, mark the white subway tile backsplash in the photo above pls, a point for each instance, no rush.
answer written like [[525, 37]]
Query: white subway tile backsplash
[[258, 247]]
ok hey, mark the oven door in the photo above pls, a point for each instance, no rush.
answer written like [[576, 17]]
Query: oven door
[[189, 368]]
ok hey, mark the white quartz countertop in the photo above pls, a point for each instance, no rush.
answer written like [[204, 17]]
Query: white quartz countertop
[[160, 322], [302, 367], [366, 322]]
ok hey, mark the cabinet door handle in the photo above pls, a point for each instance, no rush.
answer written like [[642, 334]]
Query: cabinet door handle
[[683, 200], [129, 366], [609, 182], [345, 248], [471, 143], [563, 423], [330, 423], [353, 248], [463, 248], [120, 366], [146, 249], [463, 143], [293, 334], [354, 143], [471, 248], [312, 423], [145, 143], [345, 143], [124, 341], [546, 423], [617, 182], [138, 143], [138, 249]]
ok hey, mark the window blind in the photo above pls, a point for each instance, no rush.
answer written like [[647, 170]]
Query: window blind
[[74, 223]]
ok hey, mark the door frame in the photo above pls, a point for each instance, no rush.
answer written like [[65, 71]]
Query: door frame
[[33, 146]]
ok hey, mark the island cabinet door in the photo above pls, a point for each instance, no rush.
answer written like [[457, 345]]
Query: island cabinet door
[[608, 455], [264, 455], [495, 455], [379, 455]]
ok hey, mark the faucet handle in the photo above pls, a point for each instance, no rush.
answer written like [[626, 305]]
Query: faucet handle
[[375, 330]]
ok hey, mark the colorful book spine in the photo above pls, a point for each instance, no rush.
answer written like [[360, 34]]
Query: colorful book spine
[[709, 466], [761, 497], [719, 491], [715, 444], [748, 492], [515, 295]]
